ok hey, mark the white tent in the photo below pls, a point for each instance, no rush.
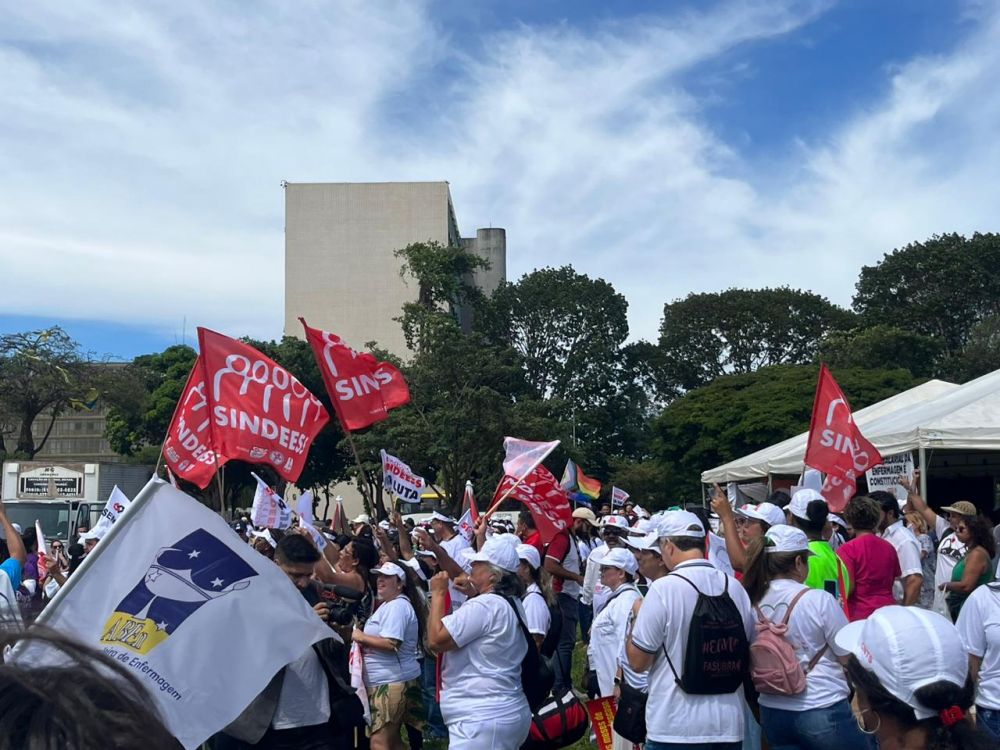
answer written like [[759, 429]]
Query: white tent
[[786, 457]]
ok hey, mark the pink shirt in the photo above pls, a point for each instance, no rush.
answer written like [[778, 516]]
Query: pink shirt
[[873, 565]]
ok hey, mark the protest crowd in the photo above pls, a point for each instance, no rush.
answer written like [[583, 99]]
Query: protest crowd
[[722, 625]]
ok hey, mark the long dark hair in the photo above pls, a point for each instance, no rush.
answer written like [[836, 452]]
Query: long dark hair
[[763, 567], [817, 511], [981, 533], [937, 696], [84, 702]]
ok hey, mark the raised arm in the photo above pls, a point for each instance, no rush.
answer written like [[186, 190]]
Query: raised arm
[[722, 508], [15, 546], [912, 487]]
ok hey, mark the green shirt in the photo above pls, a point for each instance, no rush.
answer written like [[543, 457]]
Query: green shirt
[[823, 567]]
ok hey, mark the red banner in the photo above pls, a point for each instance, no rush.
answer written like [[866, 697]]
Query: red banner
[[545, 498], [188, 448], [362, 389], [240, 404], [602, 719], [836, 445]]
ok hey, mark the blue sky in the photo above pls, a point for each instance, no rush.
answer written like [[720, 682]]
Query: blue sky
[[667, 147]]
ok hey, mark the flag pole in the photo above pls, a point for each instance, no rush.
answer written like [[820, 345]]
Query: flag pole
[[362, 479]]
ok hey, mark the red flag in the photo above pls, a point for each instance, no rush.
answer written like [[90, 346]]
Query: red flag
[[470, 501], [189, 448], [240, 404], [545, 498], [362, 389], [339, 522], [836, 445]]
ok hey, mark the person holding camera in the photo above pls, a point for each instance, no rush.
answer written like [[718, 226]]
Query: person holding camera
[[390, 644], [294, 710]]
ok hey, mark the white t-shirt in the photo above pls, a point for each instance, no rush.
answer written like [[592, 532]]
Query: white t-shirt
[[815, 621], [908, 552], [638, 680], [949, 552], [663, 622], [594, 592], [482, 677], [454, 547], [607, 635], [718, 555], [395, 619], [979, 626], [304, 700], [536, 611]]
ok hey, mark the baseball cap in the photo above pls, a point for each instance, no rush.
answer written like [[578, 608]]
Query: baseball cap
[[587, 515], [363, 518], [650, 541], [907, 648], [800, 502], [498, 552], [620, 558], [414, 565], [678, 523], [390, 569], [642, 527], [435, 516], [834, 518], [962, 507], [769, 513], [266, 536], [785, 538], [530, 555], [616, 522]]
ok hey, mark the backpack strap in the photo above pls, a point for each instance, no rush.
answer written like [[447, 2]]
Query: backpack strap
[[677, 678], [815, 660], [791, 606]]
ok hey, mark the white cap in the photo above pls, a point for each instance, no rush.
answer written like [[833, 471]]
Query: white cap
[[678, 523], [414, 565], [650, 541], [390, 569], [17, 528], [530, 555], [619, 522], [384, 525], [769, 513], [785, 538], [834, 518], [642, 527], [498, 552], [435, 516], [800, 502], [907, 648], [265, 535], [363, 518], [620, 558]]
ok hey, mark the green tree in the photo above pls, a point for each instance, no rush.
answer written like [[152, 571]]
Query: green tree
[[882, 347], [143, 400], [941, 288], [708, 335], [42, 373], [979, 356], [738, 414]]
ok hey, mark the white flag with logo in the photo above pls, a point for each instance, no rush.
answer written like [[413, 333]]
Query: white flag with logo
[[117, 503], [179, 600], [269, 511], [523, 456], [399, 479], [618, 497]]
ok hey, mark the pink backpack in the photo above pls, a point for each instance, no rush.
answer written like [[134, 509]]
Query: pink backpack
[[774, 668]]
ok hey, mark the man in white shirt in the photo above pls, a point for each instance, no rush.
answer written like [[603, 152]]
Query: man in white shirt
[[447, 546], [950, 549], [658, 643], [906, 589]]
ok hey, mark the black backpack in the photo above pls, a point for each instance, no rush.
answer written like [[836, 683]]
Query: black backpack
[[717, 655], [537, 676], [551, 640]]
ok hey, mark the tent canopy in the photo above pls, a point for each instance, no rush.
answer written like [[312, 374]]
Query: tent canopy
[[786, 457]]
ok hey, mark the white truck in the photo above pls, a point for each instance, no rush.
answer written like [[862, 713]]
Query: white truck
[[63, 496]]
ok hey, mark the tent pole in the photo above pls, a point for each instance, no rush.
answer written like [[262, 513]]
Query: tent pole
[[923, 472]]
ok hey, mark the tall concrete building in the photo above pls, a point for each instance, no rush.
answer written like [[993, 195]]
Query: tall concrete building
[[341, 273]]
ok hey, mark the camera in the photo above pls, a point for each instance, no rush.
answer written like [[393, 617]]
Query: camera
[[344, 602]]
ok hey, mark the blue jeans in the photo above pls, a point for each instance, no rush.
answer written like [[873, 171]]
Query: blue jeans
[[569, 607], [653, 745], [831, 728], [435, 724], [989, 720]]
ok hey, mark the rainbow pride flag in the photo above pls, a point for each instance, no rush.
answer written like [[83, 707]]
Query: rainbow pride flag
[[581, 487]]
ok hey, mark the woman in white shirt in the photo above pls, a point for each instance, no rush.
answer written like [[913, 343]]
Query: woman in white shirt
[[536, 599], [390, 645], [979, 625], [820, 717], [482, 645]]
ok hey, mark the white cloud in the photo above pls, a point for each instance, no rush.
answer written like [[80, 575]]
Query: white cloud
[[144, 146]]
